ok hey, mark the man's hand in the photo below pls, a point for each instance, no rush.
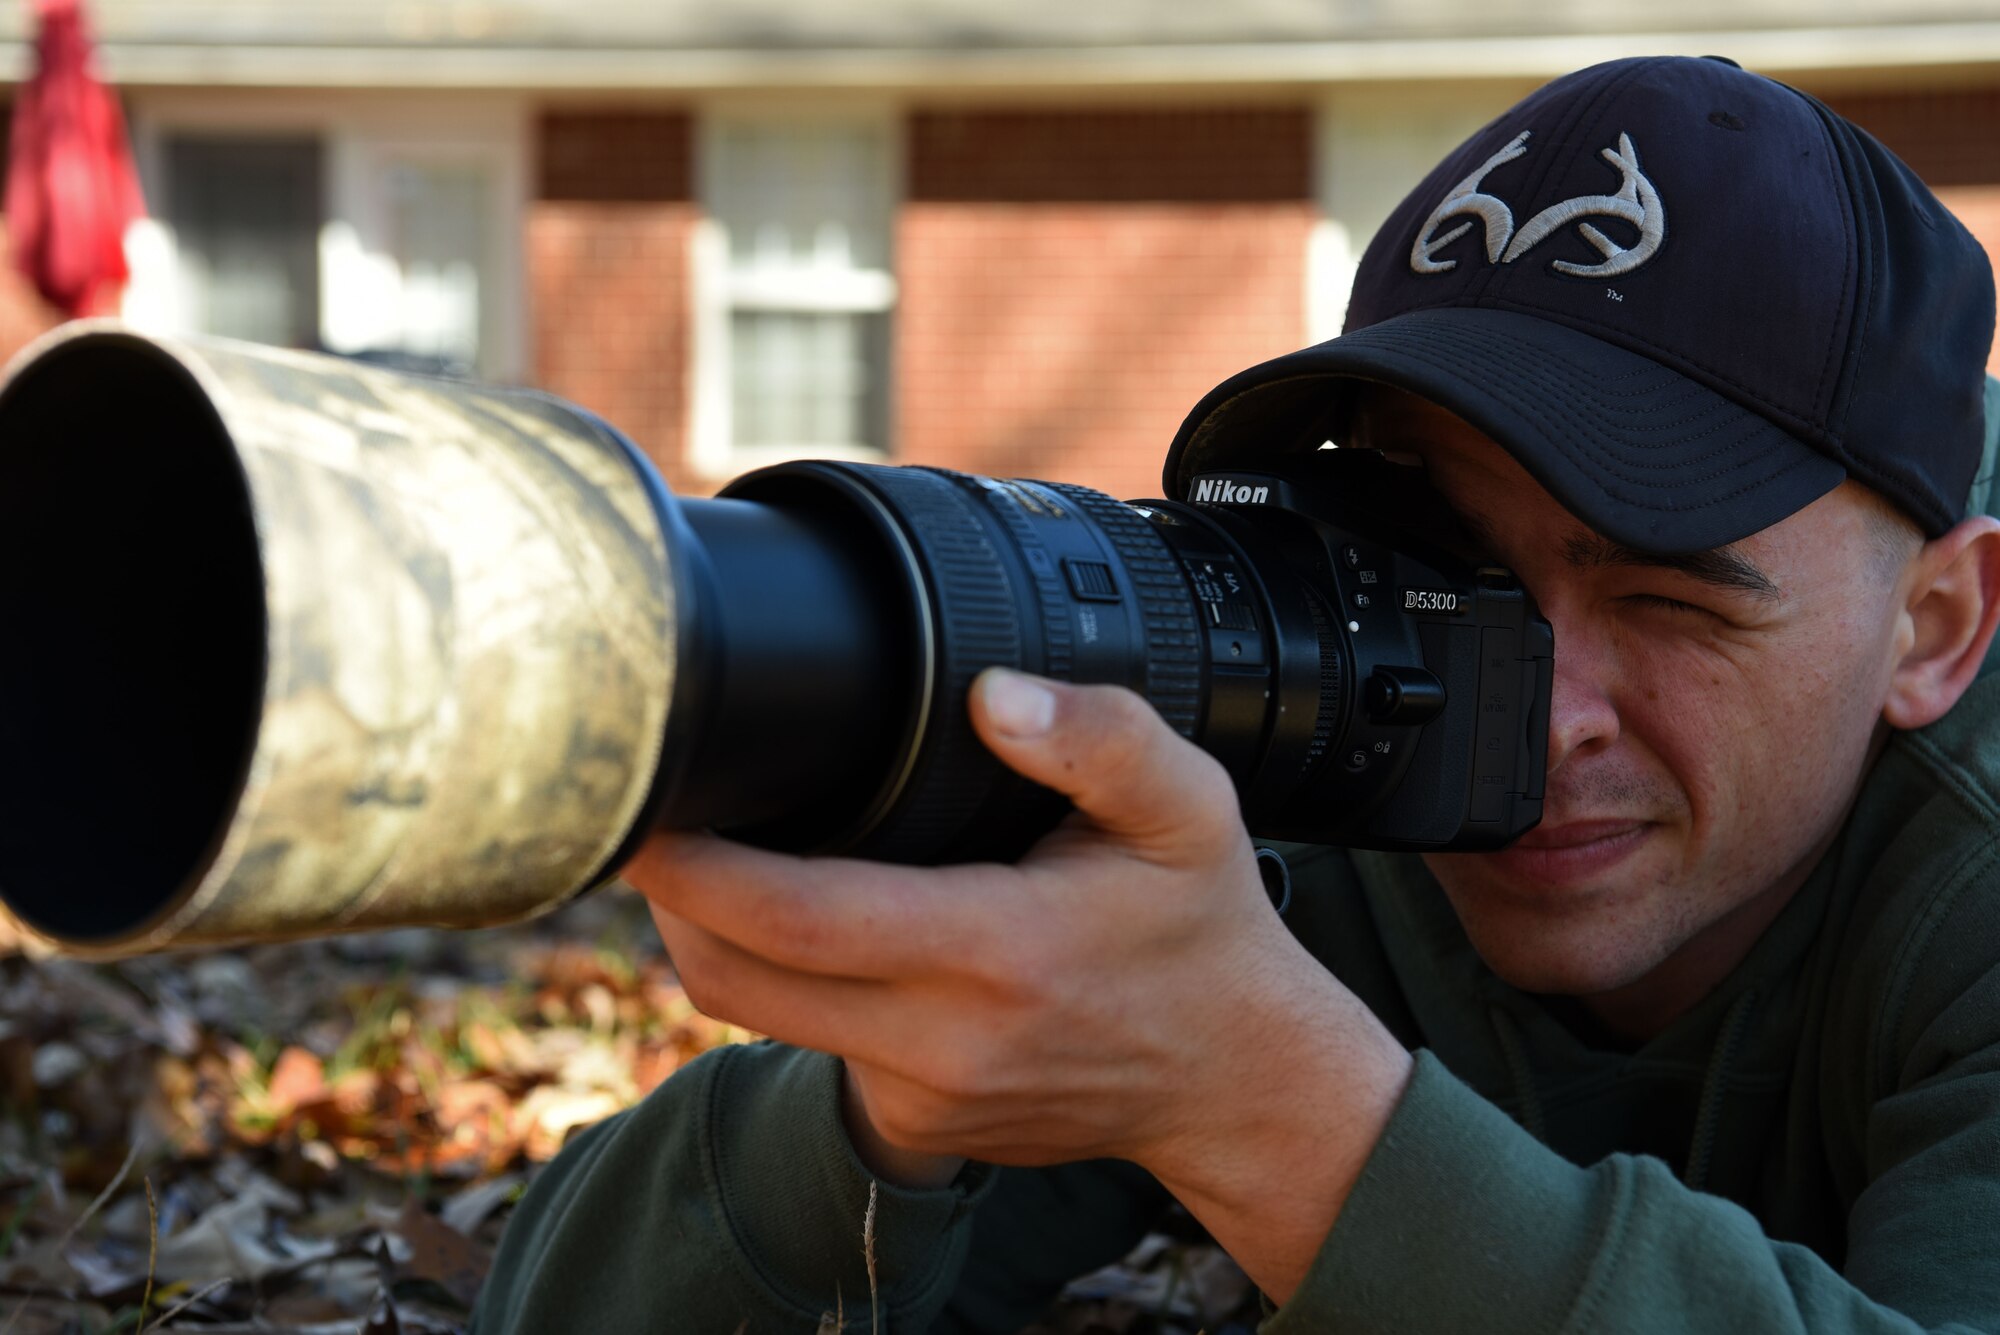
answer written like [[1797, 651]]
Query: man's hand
[[1124, 991]]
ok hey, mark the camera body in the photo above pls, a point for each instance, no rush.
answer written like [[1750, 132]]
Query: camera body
[[1430, 728]]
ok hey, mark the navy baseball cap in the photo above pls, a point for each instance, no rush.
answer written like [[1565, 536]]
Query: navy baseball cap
[[1689, 299]]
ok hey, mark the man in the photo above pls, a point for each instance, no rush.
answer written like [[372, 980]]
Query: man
[[1717, 1046]]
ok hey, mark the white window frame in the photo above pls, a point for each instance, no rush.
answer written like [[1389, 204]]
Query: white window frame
[[1373, 143], [363, 135], [716, 292]]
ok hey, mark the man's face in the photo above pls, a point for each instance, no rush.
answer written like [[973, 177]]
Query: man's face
[[1709, 726]]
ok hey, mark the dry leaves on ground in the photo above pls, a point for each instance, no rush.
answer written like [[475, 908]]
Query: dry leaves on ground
[[325, 1135], [328, 1136]]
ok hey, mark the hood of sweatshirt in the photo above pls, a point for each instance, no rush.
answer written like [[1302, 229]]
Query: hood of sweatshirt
[[1585, 1093]]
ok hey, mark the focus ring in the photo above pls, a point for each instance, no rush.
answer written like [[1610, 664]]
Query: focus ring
[[1173, 635], [1332, 712]]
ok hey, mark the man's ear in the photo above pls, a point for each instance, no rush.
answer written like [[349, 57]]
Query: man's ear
[[1951, 608]]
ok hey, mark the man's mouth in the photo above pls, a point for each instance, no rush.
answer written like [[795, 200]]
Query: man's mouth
[[1570, 853], [1576, 833]]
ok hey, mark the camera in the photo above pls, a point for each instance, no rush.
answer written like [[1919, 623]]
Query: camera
[[1361, 682], [299, 645]]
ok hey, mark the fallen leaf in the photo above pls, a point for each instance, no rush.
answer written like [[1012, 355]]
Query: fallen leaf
[[382, 1318], [57, 1064], [469, 1207], [238, 1239], [297, 1077], [442, 1255]]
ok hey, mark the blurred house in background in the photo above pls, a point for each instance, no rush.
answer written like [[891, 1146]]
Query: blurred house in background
[[1016, 237]]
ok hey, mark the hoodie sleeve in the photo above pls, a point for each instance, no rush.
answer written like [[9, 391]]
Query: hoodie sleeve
[[730, 1200], [1462, 1221]]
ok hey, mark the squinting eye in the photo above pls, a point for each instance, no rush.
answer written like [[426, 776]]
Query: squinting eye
[[1666, 604]]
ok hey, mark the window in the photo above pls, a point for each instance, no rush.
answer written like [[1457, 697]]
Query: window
[[246, 213], [796, 290], [388, 232], [418, 253], [1374, 145]]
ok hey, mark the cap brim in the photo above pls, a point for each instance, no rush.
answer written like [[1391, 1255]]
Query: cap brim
[[1641, 453]]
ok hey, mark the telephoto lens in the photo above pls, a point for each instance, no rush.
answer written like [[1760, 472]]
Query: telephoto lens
[[299, 645]]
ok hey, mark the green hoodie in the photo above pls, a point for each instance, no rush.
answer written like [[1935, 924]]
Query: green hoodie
[[1814, 1147]]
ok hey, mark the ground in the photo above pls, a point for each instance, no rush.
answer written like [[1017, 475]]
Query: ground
[[328, 1136]]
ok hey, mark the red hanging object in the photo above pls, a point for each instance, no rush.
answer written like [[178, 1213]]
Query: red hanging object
[[71, 187]]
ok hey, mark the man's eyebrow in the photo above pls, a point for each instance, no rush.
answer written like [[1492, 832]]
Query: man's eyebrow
[[1720, 567], [1723, 567]]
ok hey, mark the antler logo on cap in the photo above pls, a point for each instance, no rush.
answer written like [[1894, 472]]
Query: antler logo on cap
[[1636, 202]]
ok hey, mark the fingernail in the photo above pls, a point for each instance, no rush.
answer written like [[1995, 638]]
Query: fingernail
[[1018, 705]]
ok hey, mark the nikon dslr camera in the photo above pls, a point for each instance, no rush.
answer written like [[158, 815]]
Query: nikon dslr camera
[[1310, 626]]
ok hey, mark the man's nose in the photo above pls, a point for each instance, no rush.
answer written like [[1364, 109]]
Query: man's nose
[[1582, 716]]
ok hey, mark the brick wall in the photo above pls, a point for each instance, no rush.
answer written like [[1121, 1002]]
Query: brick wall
[[1978, 207], [1948, 136], [1951, 138], [607, 255], [1073, 281]]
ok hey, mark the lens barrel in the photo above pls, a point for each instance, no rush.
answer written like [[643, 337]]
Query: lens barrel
[[928, 577]]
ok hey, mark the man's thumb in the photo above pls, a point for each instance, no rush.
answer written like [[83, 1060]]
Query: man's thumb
[[1107, 750], [1014, 705]]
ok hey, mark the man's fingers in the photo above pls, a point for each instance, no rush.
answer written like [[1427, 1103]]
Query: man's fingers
[[830, 916], [808, 1010], [1110, 753], [1104, 747]]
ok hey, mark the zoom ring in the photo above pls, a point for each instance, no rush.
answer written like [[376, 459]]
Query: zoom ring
[[1005, 500], [977, 625], [1173, 635]]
